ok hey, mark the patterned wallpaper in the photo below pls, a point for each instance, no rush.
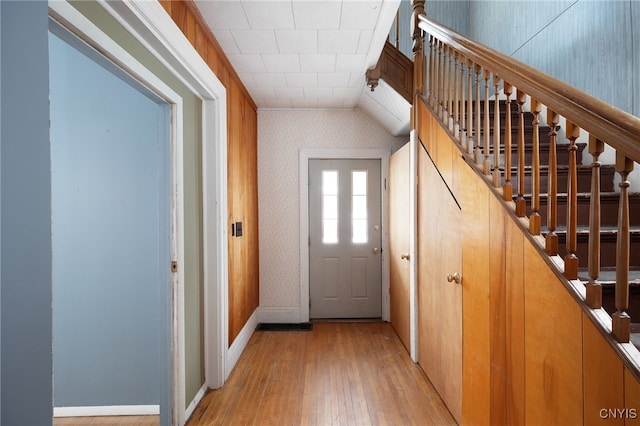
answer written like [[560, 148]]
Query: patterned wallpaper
[[281, 135]]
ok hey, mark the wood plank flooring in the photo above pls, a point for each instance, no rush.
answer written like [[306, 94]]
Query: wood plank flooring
[[338, 374]]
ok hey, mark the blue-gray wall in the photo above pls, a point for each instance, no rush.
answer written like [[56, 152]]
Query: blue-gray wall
[[25, 283], [110, 230], [453, 14], [592, 45]]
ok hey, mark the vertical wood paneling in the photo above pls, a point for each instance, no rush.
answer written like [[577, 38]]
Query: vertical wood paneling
[[514, 316], [242, 166], [631, 398], [474, 200], [512, 301], [497, 310], [553, 339], [439, 298], [603, 377]]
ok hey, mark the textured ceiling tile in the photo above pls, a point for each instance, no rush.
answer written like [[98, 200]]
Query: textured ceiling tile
[[331, 103], [247, 79], [297, 41], [270, 79], [289, 92], [262, 92], [302, 79], [347, 93], [318, 92], [255, 41], [350, 63], [357, 79], [362, 15], [317, 14], [300, 44], [269, 15], [247, 63], [226, 41], [282, 63], [341, 41], [365, 41], [333, 79], [276, 103], [305, 103], [223, 14], [318, 62]]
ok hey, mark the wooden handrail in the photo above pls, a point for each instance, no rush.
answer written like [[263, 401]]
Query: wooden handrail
[[619, 128], [604, 123]]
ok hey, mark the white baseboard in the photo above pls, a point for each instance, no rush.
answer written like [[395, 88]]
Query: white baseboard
[[279, 315], [240, 342], [107, 410], [196, 400]]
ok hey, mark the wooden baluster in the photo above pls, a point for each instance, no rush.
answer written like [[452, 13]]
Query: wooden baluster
[[439, 76], [462, 124], [521, 204], [496, 174], [436, 74], [507, 189], [431, 80], [443, 93], [486, 165], [455, 123], [571, 259], [477, 154], [534, 217], [470, 108], [447, 78], [621, 322], [551, 239], [450, 87], [594, 289]]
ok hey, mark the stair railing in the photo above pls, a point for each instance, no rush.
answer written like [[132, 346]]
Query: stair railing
[[453, 75]]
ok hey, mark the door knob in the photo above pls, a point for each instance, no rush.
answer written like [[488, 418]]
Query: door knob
[[404, 256], [375, 250], [455, 277]]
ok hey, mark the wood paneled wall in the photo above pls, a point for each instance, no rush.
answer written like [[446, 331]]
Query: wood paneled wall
[[242, 163], [531, 353]]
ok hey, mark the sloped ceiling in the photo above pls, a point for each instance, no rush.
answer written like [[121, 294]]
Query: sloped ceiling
[[309, 53]]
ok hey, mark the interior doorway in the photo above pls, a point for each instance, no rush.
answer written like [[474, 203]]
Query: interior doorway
[[114, 230]]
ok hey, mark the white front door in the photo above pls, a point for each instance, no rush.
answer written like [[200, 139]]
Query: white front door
[[345, 237]]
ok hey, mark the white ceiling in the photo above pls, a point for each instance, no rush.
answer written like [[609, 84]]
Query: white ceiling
[[302, 53]]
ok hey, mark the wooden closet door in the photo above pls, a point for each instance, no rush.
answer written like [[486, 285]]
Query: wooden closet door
[[400, 191], [439, 299]]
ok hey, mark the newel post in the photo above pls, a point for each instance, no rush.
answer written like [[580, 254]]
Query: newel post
[[419, 66]]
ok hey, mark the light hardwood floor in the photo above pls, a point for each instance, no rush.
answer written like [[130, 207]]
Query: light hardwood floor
[[338, 374]]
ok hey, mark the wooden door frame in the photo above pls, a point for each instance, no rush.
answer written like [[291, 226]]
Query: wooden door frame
[[413, 242], [149, 23], [349, 154]]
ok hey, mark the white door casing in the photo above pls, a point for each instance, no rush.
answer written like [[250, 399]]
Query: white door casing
[[149, 23], [345, 267]]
